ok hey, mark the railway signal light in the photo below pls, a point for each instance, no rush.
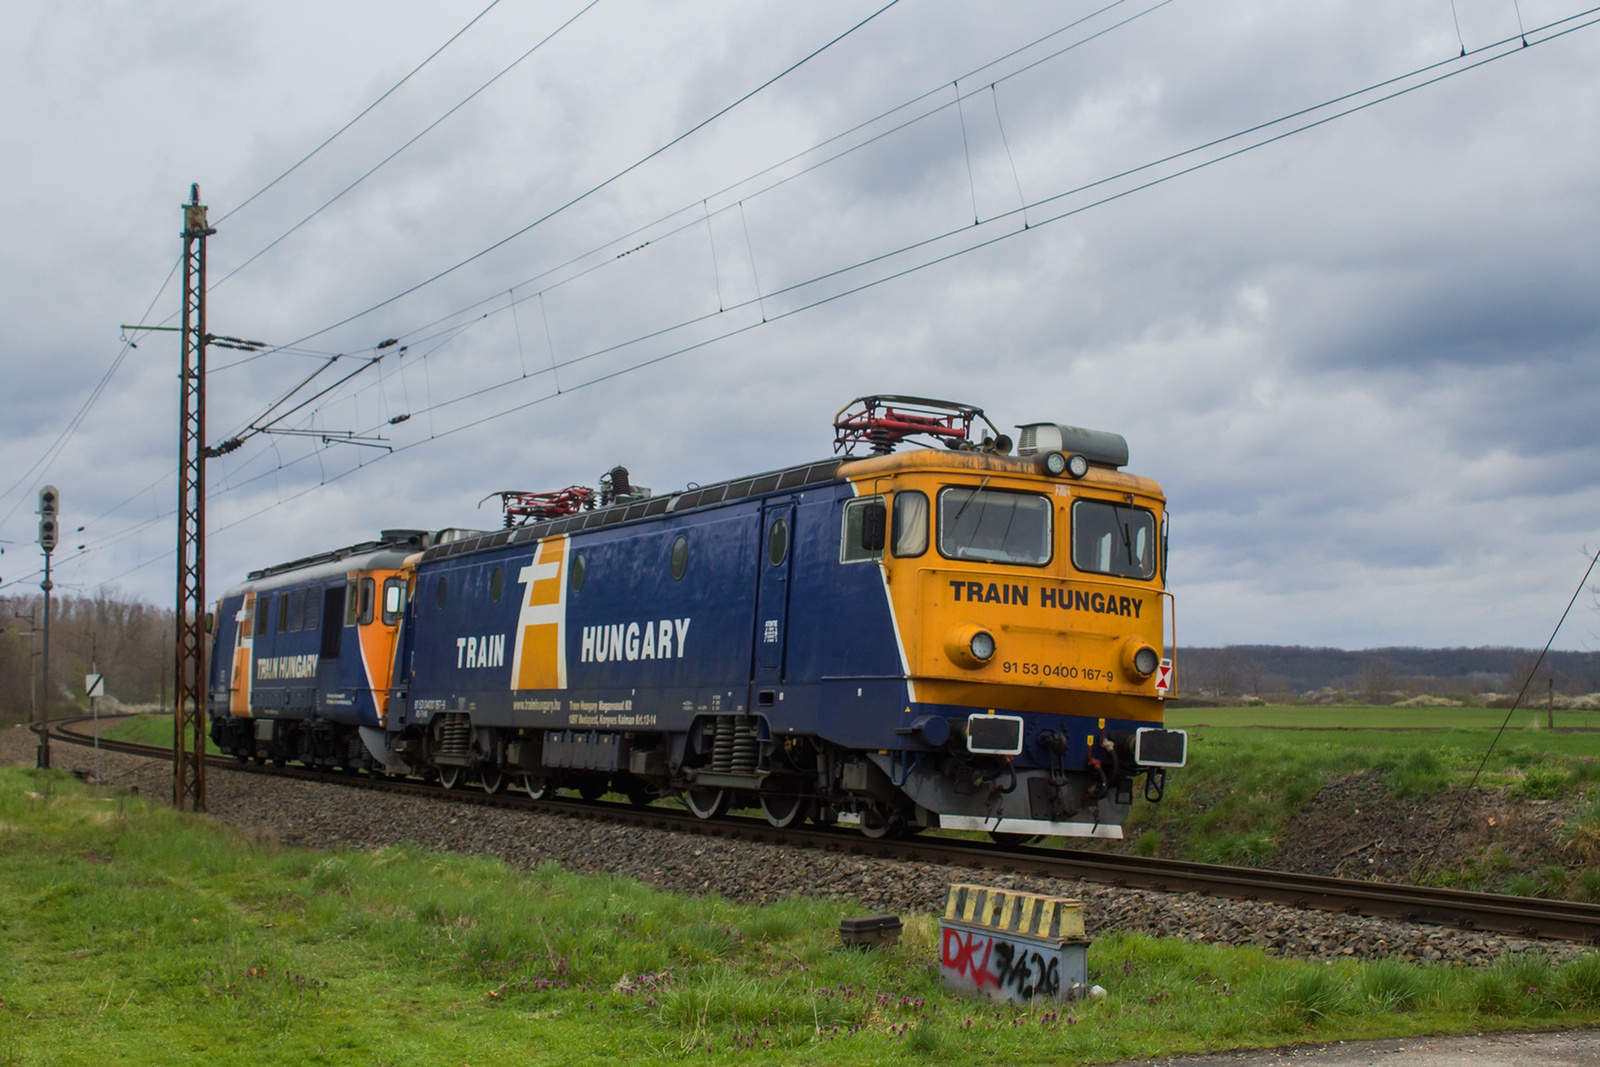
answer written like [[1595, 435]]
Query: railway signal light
[[49, 520]]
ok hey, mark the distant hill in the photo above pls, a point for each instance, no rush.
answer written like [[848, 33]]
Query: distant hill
[[1293, 669]]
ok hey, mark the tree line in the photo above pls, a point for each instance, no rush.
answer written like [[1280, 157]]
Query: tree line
[[130, 640]]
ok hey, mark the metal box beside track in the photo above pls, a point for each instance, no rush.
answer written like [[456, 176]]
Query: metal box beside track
[[1013, 947]]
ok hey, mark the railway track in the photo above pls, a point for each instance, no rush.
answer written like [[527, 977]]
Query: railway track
[[1490, 912]]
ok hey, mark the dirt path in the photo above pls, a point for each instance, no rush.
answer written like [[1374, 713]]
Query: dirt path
[[1571, 1048]]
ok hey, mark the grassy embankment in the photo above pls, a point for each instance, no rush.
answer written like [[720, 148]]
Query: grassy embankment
[[133, 934], [149, 730], [1251, 769]]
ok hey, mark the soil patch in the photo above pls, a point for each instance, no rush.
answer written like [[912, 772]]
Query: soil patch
[[1353, 828]]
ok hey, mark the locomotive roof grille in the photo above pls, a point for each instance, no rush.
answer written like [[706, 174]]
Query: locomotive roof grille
[[722, 492]]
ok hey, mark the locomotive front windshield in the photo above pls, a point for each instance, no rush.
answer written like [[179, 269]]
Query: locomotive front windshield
[[994, 526], [1113, 539]]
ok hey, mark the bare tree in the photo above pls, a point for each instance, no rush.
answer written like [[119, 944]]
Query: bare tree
[[128, 640], [1378, 676]]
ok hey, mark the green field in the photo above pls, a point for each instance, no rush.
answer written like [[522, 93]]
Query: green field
[[1251, 769], [149, 730], [1341, 717], [131, 934]]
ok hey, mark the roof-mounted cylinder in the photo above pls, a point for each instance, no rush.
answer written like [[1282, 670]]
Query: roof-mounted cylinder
[[1097, 446]]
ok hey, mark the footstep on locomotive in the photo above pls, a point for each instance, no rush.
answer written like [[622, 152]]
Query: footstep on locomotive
[[924, 631]]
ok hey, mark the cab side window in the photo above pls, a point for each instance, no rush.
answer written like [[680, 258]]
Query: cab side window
[[910, 523], [368, 589], [862, 534], [352, 603], [394, 600], [263, 604]]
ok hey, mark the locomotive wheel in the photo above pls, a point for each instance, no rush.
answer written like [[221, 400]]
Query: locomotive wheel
[[875, 824], [535, 787], [706, 803], [640, 798], [592, 790], [449, 777], [784, 812], [492, 781]]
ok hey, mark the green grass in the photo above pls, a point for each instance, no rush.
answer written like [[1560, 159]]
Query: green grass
[[1248, 773], [149, 730], [1342, 717], [131, 934]]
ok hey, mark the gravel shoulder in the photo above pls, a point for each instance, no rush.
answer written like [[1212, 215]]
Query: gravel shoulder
[[327, 816], [1571, 1048]]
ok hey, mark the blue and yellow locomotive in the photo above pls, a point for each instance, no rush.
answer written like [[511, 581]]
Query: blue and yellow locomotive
[[946, 636]]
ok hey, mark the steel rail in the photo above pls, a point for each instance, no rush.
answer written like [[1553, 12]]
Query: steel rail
[[1490, 912]]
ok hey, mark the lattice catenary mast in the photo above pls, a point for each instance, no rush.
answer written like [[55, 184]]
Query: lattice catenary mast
[[189, 668]]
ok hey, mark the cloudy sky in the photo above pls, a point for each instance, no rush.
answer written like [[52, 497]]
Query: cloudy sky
[[1361, 358]]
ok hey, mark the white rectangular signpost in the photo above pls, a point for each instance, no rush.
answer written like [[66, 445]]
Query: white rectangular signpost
[[94, 687]]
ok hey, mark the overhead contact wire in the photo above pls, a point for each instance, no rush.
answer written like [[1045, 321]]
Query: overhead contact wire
[[629, 169], [425, 130], [363, 113]]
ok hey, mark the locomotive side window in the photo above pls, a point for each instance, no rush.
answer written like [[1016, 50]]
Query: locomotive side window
[[778, 542], [497, 584], [994, 526], [332, 617], [579, 572], [297, 610], [263, 609], [1114, 539], [283, 613], [368, 587], [443, 595], [680, 557], [861, 538], [910, 523], [352, 605], [394, 600]]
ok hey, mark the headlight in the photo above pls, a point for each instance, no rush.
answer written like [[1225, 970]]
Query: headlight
[[969, 646], [1077, 464], [1055, 463], [1139, 660]]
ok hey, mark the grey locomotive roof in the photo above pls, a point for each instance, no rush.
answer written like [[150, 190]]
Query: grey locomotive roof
[[723, 492], [389, 551]]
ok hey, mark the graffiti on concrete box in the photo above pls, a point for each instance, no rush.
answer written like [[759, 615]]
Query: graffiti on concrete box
[[1006, 966]]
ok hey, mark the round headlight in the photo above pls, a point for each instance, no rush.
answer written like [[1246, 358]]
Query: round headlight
[[983, 645], [1139, 660], [1055, 463], [1077, 465]]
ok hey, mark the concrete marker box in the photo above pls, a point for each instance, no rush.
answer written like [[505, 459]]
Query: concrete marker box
[[1013, 947]]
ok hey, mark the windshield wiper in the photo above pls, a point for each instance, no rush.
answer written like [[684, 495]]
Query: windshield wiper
[[1127, 542], [963, 508]]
